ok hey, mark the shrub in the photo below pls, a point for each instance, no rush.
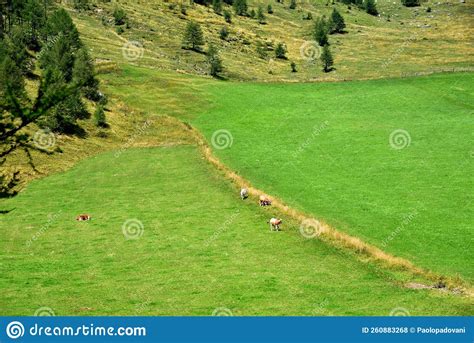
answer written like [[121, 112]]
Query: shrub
[[293, 67], [119, 16], [240, 7], [370, 7], [411, 3], [224, 33], [214, 61], [99, 117], [227, 17], [280, 51], [217, 6]]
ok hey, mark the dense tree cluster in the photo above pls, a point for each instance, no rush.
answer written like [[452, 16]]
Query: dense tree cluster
[[44, 47]]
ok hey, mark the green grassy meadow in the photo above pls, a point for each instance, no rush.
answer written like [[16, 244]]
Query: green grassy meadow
[[324, 148], [200, 248]]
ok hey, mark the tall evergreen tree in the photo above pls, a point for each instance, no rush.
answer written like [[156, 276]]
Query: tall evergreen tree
[[260, 15], [327, 59], [336, 23], [240, 7], [370, 7], [280, 51], [214, 61], [217, 6], [60, 23], [320, 31], [193, 37], [84, 74]]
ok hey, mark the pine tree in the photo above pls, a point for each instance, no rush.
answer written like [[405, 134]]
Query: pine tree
[[337, 24], [227, 16], [84, 74], [224, 33], [320, 31], [269, 9], [60, 23], [280, 51], [411, 3], [326, 59], [240, 7], [370, 7], [119, 16], [293, 67], [217, 6], [99, 117], [193, 37], [214, 61], [260, 15]]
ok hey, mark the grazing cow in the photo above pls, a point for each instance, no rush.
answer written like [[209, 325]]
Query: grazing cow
[[244, 193], [264, 201], [275, 224], [83, 217]]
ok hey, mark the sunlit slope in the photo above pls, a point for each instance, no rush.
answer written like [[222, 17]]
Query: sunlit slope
[[199, 248], [388, 161]]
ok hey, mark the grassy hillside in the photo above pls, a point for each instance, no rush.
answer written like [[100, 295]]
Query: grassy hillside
[[402, 41], [197, 247], [327, 149]]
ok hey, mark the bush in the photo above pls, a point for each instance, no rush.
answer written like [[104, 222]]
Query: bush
[[411, 3], [217, 6], [99, 117], [240, 7], [261, 50], [227, 17], [82, 5], [224, 33], [119, 16], [293, 67], [269, 9], [370, 7], [260, 15], [280, 51], [292, 4]]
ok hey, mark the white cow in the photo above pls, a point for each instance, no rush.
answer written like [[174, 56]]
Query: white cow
[[275, 224], [244, 193]]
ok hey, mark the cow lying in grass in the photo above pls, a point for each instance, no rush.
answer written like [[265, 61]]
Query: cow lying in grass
[[83, 217], [264, 201], [244, 193], [275, 224]]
